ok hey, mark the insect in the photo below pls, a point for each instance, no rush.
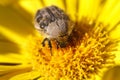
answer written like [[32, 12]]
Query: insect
[[53, 24]]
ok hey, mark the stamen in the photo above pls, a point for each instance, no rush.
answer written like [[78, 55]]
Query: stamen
[[90, 49]]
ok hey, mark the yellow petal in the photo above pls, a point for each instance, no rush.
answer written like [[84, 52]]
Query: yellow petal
[[30, 6], [33, 75], [13, 58], [71, 11], [110, 13], [5, 75], [115, 33], [13, 26], [88, 8], [58, 3], [112, 73], [6, 2], [8, 47]]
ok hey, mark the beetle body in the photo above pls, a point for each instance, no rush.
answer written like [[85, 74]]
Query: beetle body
[[53, 24]]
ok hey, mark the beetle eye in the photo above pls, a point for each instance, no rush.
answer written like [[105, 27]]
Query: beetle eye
[[42, 25]]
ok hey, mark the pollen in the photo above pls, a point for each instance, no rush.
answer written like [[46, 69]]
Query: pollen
[[89, 50]]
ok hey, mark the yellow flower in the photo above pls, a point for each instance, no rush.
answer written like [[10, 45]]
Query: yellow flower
[[93, 44]]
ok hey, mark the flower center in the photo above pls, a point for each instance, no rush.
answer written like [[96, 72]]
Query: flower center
[[89, 50]]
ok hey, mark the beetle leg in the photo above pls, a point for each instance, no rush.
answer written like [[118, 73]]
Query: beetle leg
[[49, 44], [57, 44], [43, 42]]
